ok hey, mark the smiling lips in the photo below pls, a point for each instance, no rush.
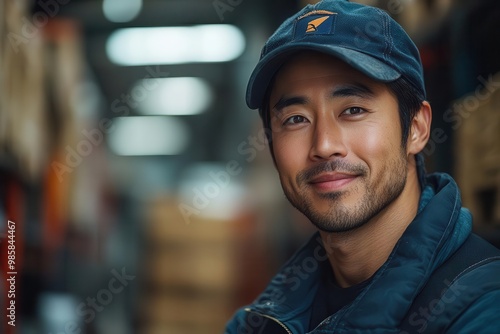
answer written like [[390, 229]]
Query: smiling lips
[[331, 181]]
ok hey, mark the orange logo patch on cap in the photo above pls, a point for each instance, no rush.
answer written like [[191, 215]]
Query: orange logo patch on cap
[[319, 22], [314, 24]]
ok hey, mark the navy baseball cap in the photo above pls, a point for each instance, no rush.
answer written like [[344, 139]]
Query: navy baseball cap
[[365, 37]]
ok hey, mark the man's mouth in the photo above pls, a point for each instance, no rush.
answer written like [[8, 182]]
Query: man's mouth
[[331, 182]]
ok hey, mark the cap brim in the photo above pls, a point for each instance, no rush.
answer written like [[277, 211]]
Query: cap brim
[[270, 64]]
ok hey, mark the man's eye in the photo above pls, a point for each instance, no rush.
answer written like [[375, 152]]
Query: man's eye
[[353, 111], [295, 120]]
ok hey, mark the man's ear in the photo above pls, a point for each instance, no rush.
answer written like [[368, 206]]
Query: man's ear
[[420, 129]]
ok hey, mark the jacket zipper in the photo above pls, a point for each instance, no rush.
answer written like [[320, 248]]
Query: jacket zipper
[[269, 317]]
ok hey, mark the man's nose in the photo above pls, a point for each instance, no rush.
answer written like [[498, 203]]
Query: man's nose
[[328, 139]]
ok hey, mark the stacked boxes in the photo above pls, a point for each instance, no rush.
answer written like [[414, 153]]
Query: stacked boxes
[[189, 273]]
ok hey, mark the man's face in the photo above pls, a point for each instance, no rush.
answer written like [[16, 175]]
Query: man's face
[[337, 142]]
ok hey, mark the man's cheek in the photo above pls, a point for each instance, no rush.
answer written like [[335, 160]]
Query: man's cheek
[[372, 141]]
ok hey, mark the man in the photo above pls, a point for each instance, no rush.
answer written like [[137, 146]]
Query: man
[[340, 89]]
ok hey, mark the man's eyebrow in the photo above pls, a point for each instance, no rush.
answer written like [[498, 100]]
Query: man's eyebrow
[[356, 89], [284, 102]]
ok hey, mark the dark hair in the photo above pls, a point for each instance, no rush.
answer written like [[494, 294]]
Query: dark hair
[[409, 102]]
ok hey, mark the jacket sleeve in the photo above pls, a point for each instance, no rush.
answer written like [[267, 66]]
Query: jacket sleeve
[[234, 326], [483, 316]]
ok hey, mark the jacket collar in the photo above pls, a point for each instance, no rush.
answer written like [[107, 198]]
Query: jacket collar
[[437, 231]]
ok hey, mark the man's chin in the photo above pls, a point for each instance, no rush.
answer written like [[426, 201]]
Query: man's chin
[[337, 226]]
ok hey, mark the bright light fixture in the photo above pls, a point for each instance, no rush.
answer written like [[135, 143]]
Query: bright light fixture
[[148, 135], [173, 96], [121, 10], [175, 45]]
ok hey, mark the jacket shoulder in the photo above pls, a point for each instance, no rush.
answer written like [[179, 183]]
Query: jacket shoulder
[[470, 301], [459, 288], [482, 313]]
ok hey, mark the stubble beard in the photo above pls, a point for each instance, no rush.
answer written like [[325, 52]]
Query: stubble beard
[[344, 218]]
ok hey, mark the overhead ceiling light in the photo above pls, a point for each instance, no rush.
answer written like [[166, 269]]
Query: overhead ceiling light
[[175, 45], [148, 135], [172, 96], [121, 10]]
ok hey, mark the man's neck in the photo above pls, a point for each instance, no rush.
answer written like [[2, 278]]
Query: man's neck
[[356, 255]]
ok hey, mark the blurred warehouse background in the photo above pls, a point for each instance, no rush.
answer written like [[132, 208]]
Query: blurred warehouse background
[[140, 185]]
